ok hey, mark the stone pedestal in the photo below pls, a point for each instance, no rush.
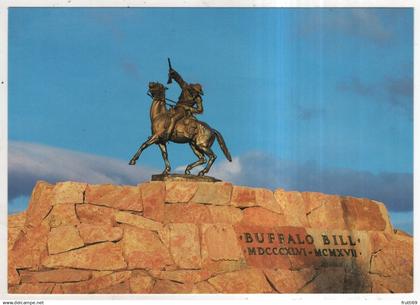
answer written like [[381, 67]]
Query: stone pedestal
[[185, 236]]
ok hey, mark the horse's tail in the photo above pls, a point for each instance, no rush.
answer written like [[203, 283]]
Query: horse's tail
[[222, 144]]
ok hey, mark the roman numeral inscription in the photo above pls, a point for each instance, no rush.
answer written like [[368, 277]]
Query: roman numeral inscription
[[279, 247]]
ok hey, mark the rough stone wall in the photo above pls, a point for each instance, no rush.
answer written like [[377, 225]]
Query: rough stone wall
[[190, 237]]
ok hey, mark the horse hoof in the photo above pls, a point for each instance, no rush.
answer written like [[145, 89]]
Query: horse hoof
[[187, 172], [201, 174], [132, 162]]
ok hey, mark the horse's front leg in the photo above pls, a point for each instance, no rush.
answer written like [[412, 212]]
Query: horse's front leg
[[152, 140], [165, 158]]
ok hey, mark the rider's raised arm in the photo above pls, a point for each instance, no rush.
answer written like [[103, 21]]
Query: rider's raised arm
[[177, 77]]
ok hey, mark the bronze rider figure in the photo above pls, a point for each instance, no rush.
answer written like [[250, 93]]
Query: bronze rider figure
[[189, 101]]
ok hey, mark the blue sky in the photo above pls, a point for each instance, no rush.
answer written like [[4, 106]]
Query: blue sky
[[306, 99]]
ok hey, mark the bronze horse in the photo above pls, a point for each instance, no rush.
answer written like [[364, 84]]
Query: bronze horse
[[198, 135]]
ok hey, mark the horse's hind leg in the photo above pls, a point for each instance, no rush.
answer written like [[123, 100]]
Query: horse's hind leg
[[212, 156], [150, 141], [165, 158], [201, 159]]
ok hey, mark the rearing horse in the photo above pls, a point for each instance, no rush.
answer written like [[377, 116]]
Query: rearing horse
[[198, 134]]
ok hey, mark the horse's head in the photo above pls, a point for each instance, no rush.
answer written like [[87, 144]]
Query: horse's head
[[156, 89]]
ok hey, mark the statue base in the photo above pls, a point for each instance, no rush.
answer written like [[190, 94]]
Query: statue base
[[183, 177]]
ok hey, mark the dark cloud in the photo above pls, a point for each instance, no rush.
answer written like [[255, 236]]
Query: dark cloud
[[260, 170], [362, 23], [29, 163], [355, 85], [396, 91], [400, 91], [367, 23]]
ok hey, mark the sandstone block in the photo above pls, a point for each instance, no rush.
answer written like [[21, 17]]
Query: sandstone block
[[138, 221], [356, 281], [396, 258], [29, 288], [12, 235], [224, 214], [153, 196], [217, 193], [394, 284], [68, 192], [203, 287], [143, 249], [293, 207], [64, 238], [385, 216], [258, 216], [378, 241], [265, 198], [363, 214], [94, 214], [96, 273], [115, 196], [57, 289], [243, 281], [184, 245], [141, 283], [180, 191], [30, 247], [223, 266], [90, 257], [16, 220], [63, 214], [98, 233], [215, 238], [164, 286], [188, 212], [97, 284], [312, 200], [39, 204], [13, 277], [243, 196], [120, 288], [329, 280], [328, 215], [182, 276], [287, 281], [55, 276]]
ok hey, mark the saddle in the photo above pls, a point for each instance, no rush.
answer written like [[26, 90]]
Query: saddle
[[186, 126]]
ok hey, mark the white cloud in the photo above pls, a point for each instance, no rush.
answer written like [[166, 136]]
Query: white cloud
[[362, 23], [30, 162]]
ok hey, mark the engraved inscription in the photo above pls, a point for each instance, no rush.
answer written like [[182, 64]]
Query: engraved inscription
[[282, 246]]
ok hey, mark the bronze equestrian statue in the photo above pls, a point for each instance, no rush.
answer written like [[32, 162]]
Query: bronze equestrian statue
[[179, 125]]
